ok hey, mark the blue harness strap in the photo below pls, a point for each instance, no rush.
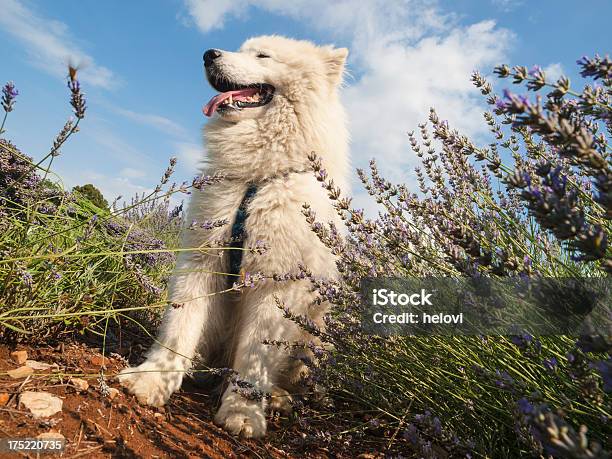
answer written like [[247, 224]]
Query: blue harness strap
[[239, 234]]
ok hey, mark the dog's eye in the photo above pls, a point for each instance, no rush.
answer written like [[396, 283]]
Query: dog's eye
[[262, 56]]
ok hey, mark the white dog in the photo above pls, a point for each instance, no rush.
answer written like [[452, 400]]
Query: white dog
[[278, 102]]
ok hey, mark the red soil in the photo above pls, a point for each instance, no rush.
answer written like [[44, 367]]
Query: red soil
[[95, 426]]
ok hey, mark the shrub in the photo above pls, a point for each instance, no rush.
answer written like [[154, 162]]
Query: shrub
[[535, 202], [94, 195], [68, 262]]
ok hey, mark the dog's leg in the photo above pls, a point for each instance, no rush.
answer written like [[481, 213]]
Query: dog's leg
[[195, 319], [255, 362]]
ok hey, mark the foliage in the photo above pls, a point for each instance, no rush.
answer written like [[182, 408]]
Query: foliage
[[68, 262], [94, 195], [534, 202]]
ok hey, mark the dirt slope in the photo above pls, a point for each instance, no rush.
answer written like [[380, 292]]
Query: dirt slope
[[96, 426]]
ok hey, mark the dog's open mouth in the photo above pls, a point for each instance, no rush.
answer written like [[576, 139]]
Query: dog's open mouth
[[237, 97]]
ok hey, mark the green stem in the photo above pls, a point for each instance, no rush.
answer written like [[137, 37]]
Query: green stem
[[3, 121]]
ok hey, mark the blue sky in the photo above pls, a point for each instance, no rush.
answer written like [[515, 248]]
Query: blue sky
[[142, 70]]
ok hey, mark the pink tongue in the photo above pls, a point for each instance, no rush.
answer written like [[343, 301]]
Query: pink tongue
[[211, 107]]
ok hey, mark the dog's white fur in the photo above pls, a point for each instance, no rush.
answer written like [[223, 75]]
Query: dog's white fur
[[266, 146]]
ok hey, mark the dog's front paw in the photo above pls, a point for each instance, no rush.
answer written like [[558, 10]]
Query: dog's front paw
[[242, 417], [281, 401], [150, 384]]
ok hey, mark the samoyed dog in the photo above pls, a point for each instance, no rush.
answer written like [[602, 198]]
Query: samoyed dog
[[277, 102]]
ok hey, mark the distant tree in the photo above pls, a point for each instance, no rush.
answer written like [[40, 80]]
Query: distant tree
[[93, 194], [50, 185]]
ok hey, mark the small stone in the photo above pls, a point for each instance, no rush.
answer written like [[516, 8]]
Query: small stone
[[19, 356], [51, 435], [112, 392], [34, 365], [41, 404], [98, 360], [20, 372], [80, 384], [4, 398]]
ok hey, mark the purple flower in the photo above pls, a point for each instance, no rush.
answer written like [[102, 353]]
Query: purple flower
[[535, 70], [176, 211], [200, 182], [208, 224], [437, 425], [525, 406], [9, 93], [550, 364], [504, 380], [605, 370], [597, 67], [527, 261], [249, 280], [27, 278], [500, 104], [522, 341], [411, 434], [77, 98]]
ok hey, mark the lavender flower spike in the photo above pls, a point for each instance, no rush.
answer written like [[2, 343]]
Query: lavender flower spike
[[9, 93]]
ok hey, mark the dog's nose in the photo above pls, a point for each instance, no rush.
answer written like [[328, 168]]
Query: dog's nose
[[210, 56]]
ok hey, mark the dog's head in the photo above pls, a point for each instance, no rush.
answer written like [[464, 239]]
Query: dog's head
[[266, 69]]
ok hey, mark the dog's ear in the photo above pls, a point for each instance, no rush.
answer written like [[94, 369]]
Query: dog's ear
[[335, 59]]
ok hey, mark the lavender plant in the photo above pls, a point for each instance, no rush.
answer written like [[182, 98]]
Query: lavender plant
[[67, 265], [9, 94], [534, 202]]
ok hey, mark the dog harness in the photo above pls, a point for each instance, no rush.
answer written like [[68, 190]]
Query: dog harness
[[239, 234]]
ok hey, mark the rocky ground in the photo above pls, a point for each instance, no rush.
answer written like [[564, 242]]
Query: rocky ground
[[54, 391]]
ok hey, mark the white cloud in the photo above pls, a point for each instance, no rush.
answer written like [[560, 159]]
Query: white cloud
[[210, 14], [113, 164], [117, 147], [339, 17], [112, 187], [130, 172], [49, 45], [407, 55], [158, 122], [190, 156], [400, 83], [118, 166], [553, 71], [507, 5]]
